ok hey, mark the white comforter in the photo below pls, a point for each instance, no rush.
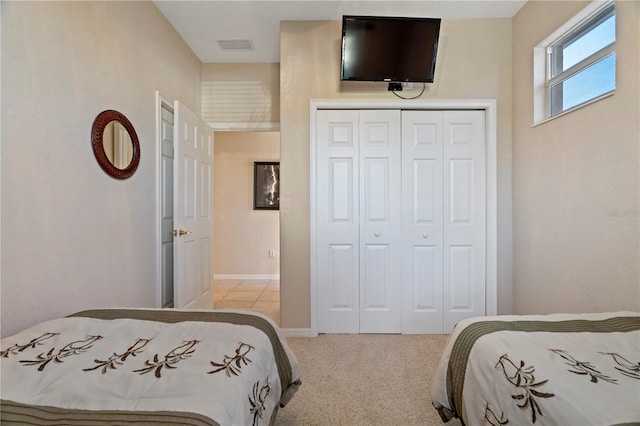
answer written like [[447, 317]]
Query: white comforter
[[224, 372], [581, 377]]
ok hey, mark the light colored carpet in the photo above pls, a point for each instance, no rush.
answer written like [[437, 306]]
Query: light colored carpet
[[365, 379]]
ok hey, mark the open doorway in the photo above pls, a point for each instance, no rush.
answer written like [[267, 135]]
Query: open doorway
[[246, 240]]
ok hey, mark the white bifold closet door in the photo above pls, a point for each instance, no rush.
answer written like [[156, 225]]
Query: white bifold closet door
[[338, 218], [359, 221], [380, 222], [443, 231], [400, 220]]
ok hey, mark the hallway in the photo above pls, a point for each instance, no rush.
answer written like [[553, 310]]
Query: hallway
[[253, 295]]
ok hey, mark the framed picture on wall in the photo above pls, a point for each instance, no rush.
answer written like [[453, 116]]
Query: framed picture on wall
[[266, 185]]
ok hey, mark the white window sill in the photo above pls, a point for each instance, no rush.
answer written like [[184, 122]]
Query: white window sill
[[575, 108]]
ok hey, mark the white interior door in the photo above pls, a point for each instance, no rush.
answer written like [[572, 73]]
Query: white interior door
[[166, 203], [443, 219], [422, 227], [193, 211], [358, 220], [464, 216], [380, 222], [338, 222]]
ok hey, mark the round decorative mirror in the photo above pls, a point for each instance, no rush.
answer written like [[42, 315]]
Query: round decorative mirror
[[115, 144]]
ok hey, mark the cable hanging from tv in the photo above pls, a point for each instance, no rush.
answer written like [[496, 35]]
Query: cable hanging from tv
[[393, 88]]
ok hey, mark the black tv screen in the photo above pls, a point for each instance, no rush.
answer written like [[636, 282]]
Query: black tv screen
[[392, 49]]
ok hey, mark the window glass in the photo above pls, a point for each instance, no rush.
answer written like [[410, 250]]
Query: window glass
[[588, 84], [582, 62], [588, 43]]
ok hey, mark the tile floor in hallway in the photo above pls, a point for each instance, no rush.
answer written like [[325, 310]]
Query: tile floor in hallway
[[253, 295]]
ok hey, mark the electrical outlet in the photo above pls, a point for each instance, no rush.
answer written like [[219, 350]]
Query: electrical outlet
[[272, 253], [407, 86]]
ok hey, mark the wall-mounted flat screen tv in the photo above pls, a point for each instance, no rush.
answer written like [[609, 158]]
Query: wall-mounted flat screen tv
[[393, 49]]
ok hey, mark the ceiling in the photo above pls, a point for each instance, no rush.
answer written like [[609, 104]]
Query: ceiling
[[202, 23]]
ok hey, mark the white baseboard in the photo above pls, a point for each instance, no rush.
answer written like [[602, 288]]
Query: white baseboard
[[297, 332], [244, 277]]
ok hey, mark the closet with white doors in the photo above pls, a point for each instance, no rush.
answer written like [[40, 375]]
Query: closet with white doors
[[400, 230]]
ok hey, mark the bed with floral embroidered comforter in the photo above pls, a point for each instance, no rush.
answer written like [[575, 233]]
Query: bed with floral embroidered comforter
[[560, 369], [118, 366]]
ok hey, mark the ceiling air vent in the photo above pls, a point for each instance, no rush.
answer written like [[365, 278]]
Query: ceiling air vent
[[235, 44]]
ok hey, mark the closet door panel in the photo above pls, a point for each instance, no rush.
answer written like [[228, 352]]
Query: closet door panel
[[376, 175], [376, 257], [464, 210], [340, 192], [460, 278], [340, 294], [338, 250], [380, 222], [422, 228], [461, 192], [425, 180], [426, 262]]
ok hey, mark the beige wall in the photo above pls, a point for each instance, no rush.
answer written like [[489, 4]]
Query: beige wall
[[576, 180], [474, 62], [72, 237], [243, 236], [75, 238]]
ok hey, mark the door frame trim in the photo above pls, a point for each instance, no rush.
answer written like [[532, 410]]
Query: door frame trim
[[489, 106]]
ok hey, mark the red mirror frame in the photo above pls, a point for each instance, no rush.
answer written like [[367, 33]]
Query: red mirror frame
[[97, 131]]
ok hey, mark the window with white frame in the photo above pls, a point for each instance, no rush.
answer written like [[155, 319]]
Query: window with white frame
[[579, 61]]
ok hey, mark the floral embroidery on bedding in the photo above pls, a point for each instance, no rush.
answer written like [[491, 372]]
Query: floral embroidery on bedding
[[13, 350], [170, 359], [118, 359], [70, 349], [583, 368], [625, 366], [260, 394], [233, 364], [523, 379], [118, 363], [493, 418]]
